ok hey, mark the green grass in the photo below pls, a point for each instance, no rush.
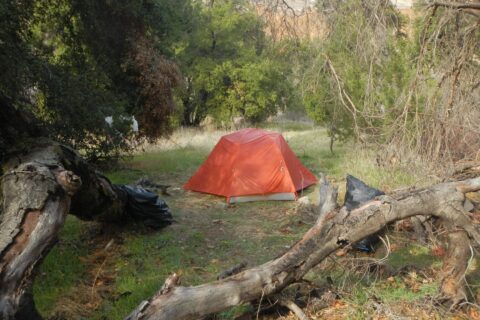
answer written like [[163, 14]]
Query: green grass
[[389, 294], [158, 164], [209, 238], [170, 161], [413, 255], [62, 268], [146, 262]]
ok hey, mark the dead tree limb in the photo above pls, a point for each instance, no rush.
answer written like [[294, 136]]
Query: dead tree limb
[[471, 8], [328, 197], [36, 199], [40, 182], [39, 186], [337, 229], [454, 267], [294, 308], [457, 5]]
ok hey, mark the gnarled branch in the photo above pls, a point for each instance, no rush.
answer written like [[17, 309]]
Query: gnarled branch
[[336, 229]]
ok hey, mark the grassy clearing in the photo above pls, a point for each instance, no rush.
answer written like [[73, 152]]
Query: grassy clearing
[[210, 237]]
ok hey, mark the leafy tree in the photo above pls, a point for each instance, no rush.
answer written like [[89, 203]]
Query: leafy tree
[[227, 67], [353, 76], [76, 62]]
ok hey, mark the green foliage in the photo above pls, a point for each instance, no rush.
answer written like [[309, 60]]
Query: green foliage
[[65, 260], [250, 90], [14, 51], [77, 62], [227, 68], [364, 59], [73, 63]]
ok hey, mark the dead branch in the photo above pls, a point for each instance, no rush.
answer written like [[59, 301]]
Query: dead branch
[[338, 229], [328, 197], [294, 308], [39, 186], [457, 5], [36, 199], [343, 95], [233, 270]]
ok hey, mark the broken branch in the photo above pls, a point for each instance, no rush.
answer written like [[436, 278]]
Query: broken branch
[[335, 230]]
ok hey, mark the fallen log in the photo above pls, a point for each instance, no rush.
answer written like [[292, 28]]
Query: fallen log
[[40, 185], [336, 229], [37, 187]]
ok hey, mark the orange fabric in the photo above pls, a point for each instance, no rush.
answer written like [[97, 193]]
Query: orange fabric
[[251, 162]]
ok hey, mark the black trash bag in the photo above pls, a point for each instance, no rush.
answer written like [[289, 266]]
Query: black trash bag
[[357, 194], [147, 206]]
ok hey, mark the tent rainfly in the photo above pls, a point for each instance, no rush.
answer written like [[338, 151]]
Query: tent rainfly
[[251, 165]]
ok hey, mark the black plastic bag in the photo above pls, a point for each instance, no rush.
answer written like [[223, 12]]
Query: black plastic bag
[[147, 206], [357, 194]]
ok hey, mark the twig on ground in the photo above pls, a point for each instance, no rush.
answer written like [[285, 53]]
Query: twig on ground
[[294, 308]]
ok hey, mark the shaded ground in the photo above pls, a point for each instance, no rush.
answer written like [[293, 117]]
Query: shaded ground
[[103, 273]]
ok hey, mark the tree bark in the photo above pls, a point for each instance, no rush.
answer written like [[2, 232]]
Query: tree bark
[[334, 230], [454, 268], [457, 5], [36, 198], [419, 229], [38, 188]]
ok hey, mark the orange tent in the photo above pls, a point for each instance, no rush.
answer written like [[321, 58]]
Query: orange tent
[[250, 165]]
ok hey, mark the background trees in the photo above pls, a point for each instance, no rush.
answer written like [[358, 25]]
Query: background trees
[[361, 66], [365, 71], [228, 67], [388, 79], [73, 63], [77, 62]]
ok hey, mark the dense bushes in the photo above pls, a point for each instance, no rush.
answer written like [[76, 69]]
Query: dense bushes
[[380, 79], [73, 63], [228, 69]]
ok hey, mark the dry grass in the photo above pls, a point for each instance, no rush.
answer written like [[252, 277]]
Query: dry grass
[[183, 138]]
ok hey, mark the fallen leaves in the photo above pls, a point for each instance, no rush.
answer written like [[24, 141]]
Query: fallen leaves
[[473, 313]]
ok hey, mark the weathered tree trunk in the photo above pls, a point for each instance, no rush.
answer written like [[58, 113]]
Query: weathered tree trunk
[[37, 188], [36, 200], [41, 181], [419, 229], [454, 267], [334, 230]]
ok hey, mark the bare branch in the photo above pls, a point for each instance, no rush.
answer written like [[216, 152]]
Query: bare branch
[[335, 230], [294, 308], [457, 5]]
